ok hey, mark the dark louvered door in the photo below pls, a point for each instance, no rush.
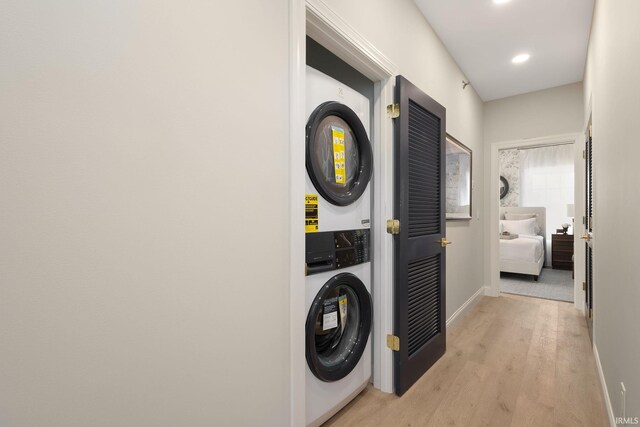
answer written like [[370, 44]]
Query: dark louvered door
[[588, 156], [419, 294]]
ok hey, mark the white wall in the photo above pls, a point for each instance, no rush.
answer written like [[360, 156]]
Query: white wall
[[399, 30], [546, 112], [143, 174], [612, 85]]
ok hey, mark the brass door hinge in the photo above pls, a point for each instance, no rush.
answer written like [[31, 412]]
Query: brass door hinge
[[584, 286], [584, 220], [393, 342], [393, 226], [393, 111]]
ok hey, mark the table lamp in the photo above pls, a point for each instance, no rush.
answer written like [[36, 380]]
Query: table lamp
[[571, 212]]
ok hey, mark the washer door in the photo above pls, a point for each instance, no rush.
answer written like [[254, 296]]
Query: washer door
[[338, 327], [339, 155]]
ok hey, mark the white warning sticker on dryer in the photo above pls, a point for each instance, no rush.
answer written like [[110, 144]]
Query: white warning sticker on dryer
[[330, 314]]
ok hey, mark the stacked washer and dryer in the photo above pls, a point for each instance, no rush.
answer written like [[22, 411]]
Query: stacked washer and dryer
[[339, 164]]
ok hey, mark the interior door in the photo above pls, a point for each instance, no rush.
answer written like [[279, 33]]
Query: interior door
[[419, 202], [587, 237]]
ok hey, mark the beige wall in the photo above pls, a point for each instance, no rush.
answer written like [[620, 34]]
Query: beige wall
[[613, 88], [128, 294], [141, 160], [546, 112], [422, 59]]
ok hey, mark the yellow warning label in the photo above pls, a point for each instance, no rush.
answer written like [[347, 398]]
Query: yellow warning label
[[311, 213], [342, 305], [338, 155]]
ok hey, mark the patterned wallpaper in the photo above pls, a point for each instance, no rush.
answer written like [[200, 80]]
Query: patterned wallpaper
[[510, 169]]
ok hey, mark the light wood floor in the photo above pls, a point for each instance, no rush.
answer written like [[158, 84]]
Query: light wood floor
[[512, 361]]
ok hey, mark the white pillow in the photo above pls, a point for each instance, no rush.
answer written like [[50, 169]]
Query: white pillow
[[519, 216], [526, 227]]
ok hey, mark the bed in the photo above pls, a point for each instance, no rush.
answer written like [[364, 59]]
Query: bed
[[524, 254]]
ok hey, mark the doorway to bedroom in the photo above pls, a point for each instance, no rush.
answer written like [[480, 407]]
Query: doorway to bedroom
[[536, 221]]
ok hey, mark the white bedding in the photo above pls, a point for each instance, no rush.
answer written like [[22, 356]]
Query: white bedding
[[524, 248]]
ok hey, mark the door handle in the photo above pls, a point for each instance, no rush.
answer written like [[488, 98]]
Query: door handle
[[444, 242], [586, 237]]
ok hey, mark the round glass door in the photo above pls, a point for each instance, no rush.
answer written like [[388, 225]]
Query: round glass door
[[338, 327], [339, 157]]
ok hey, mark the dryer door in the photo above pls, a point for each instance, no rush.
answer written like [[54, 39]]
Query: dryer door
[[338, 327], [339, 155]]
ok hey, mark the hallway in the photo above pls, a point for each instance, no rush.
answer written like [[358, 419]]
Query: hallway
[[512, 361]]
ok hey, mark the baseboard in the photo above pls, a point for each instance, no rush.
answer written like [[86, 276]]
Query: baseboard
[[465, 307], [490, 292], [603, 383]]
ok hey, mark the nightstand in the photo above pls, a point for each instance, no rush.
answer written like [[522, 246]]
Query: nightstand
[[562, 251]]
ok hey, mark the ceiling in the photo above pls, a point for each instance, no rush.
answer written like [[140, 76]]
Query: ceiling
[[483, 37]]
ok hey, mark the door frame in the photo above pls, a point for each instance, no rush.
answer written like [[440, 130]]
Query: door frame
[[588, 121], [585, 230], [316, 19], [492, 209]]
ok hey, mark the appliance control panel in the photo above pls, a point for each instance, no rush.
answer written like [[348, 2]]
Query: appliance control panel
[[333, 250]]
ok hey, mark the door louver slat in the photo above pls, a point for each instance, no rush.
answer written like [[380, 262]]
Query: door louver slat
[[424, 172], [422, 335], [424, 301], [420, 298], [421, 270]]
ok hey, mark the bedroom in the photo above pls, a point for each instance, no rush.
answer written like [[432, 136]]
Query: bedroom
[[536, 212]]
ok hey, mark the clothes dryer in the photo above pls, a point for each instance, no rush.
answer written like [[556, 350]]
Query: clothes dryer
[[339, 158]]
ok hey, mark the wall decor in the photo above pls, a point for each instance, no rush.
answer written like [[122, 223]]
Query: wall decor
[[504, 187], [458, 180], [510, 170]]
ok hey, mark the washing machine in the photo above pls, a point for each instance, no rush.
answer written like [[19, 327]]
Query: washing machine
[[339, 165]]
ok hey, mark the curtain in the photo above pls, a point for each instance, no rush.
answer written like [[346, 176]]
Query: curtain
[[547, 177]]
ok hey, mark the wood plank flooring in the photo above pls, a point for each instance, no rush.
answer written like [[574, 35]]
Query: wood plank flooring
[[512, 361]]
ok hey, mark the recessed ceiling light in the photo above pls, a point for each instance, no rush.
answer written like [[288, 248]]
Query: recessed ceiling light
[[518, 59], [501, 1]]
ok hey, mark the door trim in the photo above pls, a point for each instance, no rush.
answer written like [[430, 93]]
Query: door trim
[[331, 31], [316, 19], [297, 121], [492, 175]]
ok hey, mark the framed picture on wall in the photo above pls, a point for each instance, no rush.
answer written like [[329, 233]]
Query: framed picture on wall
[[458, 180]]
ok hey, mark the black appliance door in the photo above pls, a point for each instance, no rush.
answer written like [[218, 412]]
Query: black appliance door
[[339, 156], [338, 327]]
